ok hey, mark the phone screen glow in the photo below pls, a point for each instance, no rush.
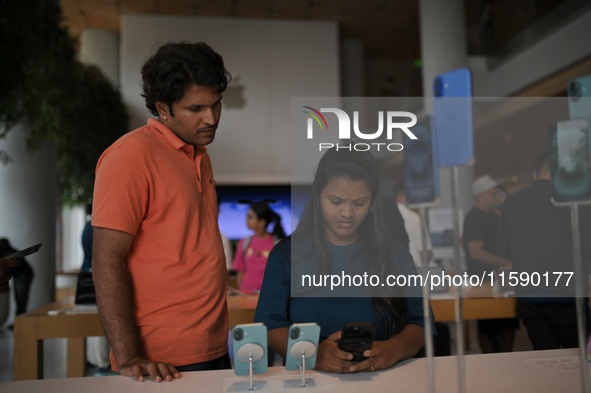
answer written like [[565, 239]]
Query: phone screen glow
[[571, 162]]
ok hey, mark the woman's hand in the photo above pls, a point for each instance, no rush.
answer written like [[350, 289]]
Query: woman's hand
[[330, 358], [382, 355]]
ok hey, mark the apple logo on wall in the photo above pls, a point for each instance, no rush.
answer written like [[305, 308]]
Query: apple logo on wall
[[234, 94]]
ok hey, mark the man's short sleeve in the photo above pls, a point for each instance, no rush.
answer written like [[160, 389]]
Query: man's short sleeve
[[121, 191]]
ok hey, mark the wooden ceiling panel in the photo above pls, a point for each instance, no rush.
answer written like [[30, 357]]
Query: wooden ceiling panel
[[214, 8], [84, 14], [139, 6], [357, 14], [323, 10], [375, 22], [293, 9], [178, 7], [388, 29], [98, 7], [72, 17], [107, 22]]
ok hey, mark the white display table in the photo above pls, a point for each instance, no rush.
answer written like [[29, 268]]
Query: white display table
[[519, 372]]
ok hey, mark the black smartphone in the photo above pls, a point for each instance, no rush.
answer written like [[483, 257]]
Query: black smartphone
[[356, 338], [570, 162], [421, 172], [24, 253]]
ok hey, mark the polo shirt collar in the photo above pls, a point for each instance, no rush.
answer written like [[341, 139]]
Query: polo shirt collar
[[170, 136]]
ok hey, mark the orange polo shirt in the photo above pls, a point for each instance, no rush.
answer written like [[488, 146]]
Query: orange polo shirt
[[151, 184]]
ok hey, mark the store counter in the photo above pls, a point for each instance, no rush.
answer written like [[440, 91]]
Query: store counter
[[56, 320], [535, 371]]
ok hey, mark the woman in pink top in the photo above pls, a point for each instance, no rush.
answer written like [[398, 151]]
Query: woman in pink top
[[251, 255]]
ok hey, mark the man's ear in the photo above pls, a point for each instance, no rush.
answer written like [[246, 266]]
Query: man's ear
[[162, 109]]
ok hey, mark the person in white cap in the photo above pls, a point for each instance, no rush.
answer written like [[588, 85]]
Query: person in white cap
[[479, 241]]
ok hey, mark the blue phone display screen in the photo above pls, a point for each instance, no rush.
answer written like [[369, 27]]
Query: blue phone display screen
[[452, 110]]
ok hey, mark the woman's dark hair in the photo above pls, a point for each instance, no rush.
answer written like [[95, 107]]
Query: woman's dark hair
[[336, 164], [264, 212], [354, 165], [176, 66]]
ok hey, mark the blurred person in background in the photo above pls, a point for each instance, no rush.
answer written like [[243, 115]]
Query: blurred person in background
[[537, 236], [479, 239], [252, 252], [22, 274]]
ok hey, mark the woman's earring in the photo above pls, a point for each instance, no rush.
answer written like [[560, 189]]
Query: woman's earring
[[164, 117], [371, 209]]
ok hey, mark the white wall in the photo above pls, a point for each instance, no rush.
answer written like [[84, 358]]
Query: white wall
[[100, 47], [271, 61], [72, 224]]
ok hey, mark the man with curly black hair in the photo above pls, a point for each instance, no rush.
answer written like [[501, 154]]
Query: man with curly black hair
[[158, 259]]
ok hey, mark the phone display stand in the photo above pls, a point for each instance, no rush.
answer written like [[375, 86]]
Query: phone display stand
[[452, 109], [429, 344], [578, 199], [580, 296], [300, 351], [250, 353], [458, 300]]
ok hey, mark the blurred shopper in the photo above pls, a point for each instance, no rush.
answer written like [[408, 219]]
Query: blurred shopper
[[22, 275], [537, 236], [252, 252], [87, 240], [480, 241], [6, 265]]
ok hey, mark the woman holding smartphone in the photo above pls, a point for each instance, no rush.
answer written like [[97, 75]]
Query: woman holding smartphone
[[341, 235]]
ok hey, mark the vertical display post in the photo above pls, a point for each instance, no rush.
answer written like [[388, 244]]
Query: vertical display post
[[250, 372], [570, 169], [421, 180], [580, 297], [452, 108], [459, 315], [303, 367], [426, 311]]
